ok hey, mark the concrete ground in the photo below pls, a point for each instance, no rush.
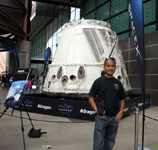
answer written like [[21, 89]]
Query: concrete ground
[[70, 134]]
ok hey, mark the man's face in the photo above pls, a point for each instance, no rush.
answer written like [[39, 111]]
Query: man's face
[[109, 67]]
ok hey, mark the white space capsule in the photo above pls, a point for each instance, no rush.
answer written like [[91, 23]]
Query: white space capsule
[[81, 50]]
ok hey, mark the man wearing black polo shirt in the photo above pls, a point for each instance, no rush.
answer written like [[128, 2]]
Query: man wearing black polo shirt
[[110, 91]]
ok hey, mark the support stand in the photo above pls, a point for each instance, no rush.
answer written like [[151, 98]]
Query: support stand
[[17, 101], [22, 126], [136, 128], [32, 133], [4, 112]]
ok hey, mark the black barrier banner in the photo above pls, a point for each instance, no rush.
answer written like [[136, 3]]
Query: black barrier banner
[[10, 45], [135, 8], [42, 104], [46, 62], [58, 107]]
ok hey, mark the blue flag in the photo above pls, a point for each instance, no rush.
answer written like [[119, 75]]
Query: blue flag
[[46, 62], [135, 8], [10, 45]]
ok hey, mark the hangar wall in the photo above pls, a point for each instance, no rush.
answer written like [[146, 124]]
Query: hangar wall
[[151, 61], [116, 13], [39, 40]]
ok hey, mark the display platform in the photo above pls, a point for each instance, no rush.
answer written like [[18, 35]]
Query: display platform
[[77, 109]]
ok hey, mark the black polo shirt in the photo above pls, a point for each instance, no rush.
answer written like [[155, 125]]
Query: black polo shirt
[[111, 95]]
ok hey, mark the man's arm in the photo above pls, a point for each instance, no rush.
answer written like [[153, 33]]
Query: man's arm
[[94, 106], [92, 103], [120, 113]]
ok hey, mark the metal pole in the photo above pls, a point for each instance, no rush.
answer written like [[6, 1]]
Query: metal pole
[[136, 129], [143, 119]]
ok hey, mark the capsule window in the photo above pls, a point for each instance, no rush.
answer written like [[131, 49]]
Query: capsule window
[[72, 77], [59, 73], [64, 80], [53, 77], [81, 72], [119, 77]]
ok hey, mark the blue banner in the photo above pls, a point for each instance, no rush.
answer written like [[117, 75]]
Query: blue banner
[[10, 45], [46, 62], [16, 55], [135, 8]]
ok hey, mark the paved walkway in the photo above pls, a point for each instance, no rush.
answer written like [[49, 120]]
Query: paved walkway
[[70, 134]]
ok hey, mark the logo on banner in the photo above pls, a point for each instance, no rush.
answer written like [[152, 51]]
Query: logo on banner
[[133, 105], [147, 100], [125, 109], [44, 107], [28, 104], [89, 112], [140, 104], [66, 109]]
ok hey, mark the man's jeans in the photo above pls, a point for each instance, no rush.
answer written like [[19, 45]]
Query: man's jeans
[[105, 133]]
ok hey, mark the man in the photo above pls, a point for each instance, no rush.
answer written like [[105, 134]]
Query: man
[[111, 91], [35, 83]]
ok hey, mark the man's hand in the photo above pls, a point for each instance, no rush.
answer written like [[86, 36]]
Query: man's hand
[[119, 116], [102, 117]]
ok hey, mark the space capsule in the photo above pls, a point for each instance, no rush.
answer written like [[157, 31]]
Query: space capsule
[[81, 50]]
